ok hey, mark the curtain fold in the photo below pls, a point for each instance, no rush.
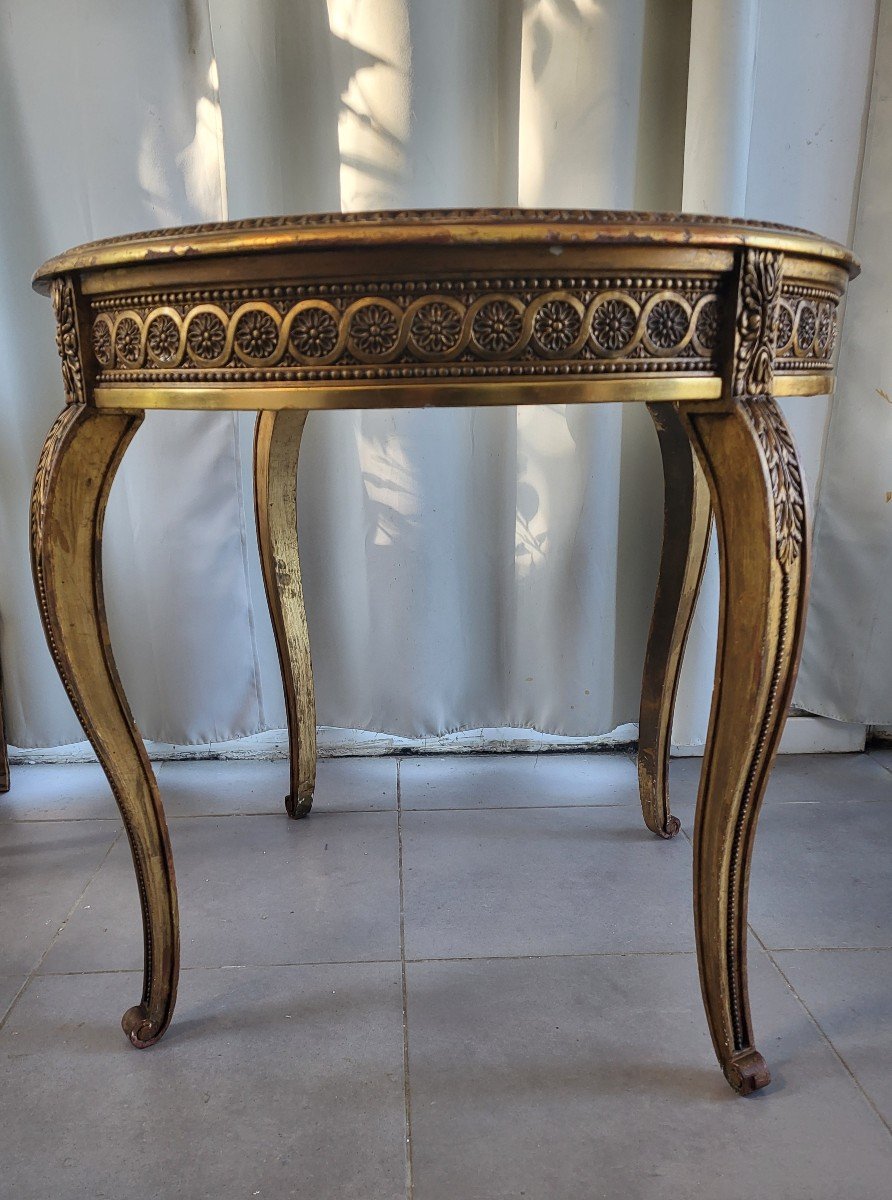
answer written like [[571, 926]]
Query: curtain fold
[[463, 568], [847, 663]]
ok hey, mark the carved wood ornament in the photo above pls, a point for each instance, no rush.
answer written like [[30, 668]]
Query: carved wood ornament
[[706, 320], [757, 316], [67, 340], [758, 495], [787, 488]]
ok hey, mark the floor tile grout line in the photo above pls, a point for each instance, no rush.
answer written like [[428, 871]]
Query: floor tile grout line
[[378, 962], [801, 949], [112, 818], [407, 1096], [446, 958], [322, 811], [256, 966], [879, 762], [822, 1031], [514, 807], [35, 970], [824, 949]]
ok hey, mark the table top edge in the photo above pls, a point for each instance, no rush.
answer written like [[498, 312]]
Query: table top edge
[[435, 227]]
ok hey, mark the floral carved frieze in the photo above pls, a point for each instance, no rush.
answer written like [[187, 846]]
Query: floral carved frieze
[[442, 328], [806, 327], [448, 328]]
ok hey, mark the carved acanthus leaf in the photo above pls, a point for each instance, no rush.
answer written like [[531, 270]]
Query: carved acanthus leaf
[[785, 474], [67, 342], [757, 318]]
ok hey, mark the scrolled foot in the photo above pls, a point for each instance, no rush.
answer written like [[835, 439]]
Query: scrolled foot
[[140, 1029], [747, 1072], [666, 831], [298, 806], [670, 829], [655, 800]]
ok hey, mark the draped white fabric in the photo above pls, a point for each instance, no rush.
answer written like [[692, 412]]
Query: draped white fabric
[[847, 664], [462, 568]]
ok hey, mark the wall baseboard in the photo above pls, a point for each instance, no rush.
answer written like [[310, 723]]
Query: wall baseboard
[[803, 734]]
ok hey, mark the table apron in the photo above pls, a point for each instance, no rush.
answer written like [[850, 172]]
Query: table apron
[[437, 394]]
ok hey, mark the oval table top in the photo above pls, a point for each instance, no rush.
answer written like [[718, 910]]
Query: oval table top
[[440, 307]]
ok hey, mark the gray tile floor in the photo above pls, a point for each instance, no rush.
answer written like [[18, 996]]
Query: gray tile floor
[[462, 978]]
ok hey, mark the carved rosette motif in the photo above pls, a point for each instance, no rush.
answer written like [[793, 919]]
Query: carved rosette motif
[[256, 334], [557, 325], [667, 323], [374, 330], [825, 330], [102, 342], [614, 323], [67, 341], [127, 341], [410, 329], [459, 329], [436, 328], [706, 327], [807, 323], [785, 323], [206, 336], [806, 327], [314, 333], [163, 338], [497, 326]]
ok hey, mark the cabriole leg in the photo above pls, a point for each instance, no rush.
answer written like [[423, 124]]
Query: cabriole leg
[[687, 518], [276, 450], [71, 487], [759, 500]]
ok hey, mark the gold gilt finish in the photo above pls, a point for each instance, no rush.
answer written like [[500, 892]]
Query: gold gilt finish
[[704, 319], [71, 488], [276, 449], [687, 520]]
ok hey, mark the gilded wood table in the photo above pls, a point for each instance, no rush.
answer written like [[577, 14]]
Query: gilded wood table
[[705, 320]]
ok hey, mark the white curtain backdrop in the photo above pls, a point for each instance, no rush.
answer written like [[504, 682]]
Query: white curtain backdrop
[[847, 664], [462, 568]]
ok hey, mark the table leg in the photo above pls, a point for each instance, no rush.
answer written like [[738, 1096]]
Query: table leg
[[71, 487], [761, 510], [276, 450], [687, 518]]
